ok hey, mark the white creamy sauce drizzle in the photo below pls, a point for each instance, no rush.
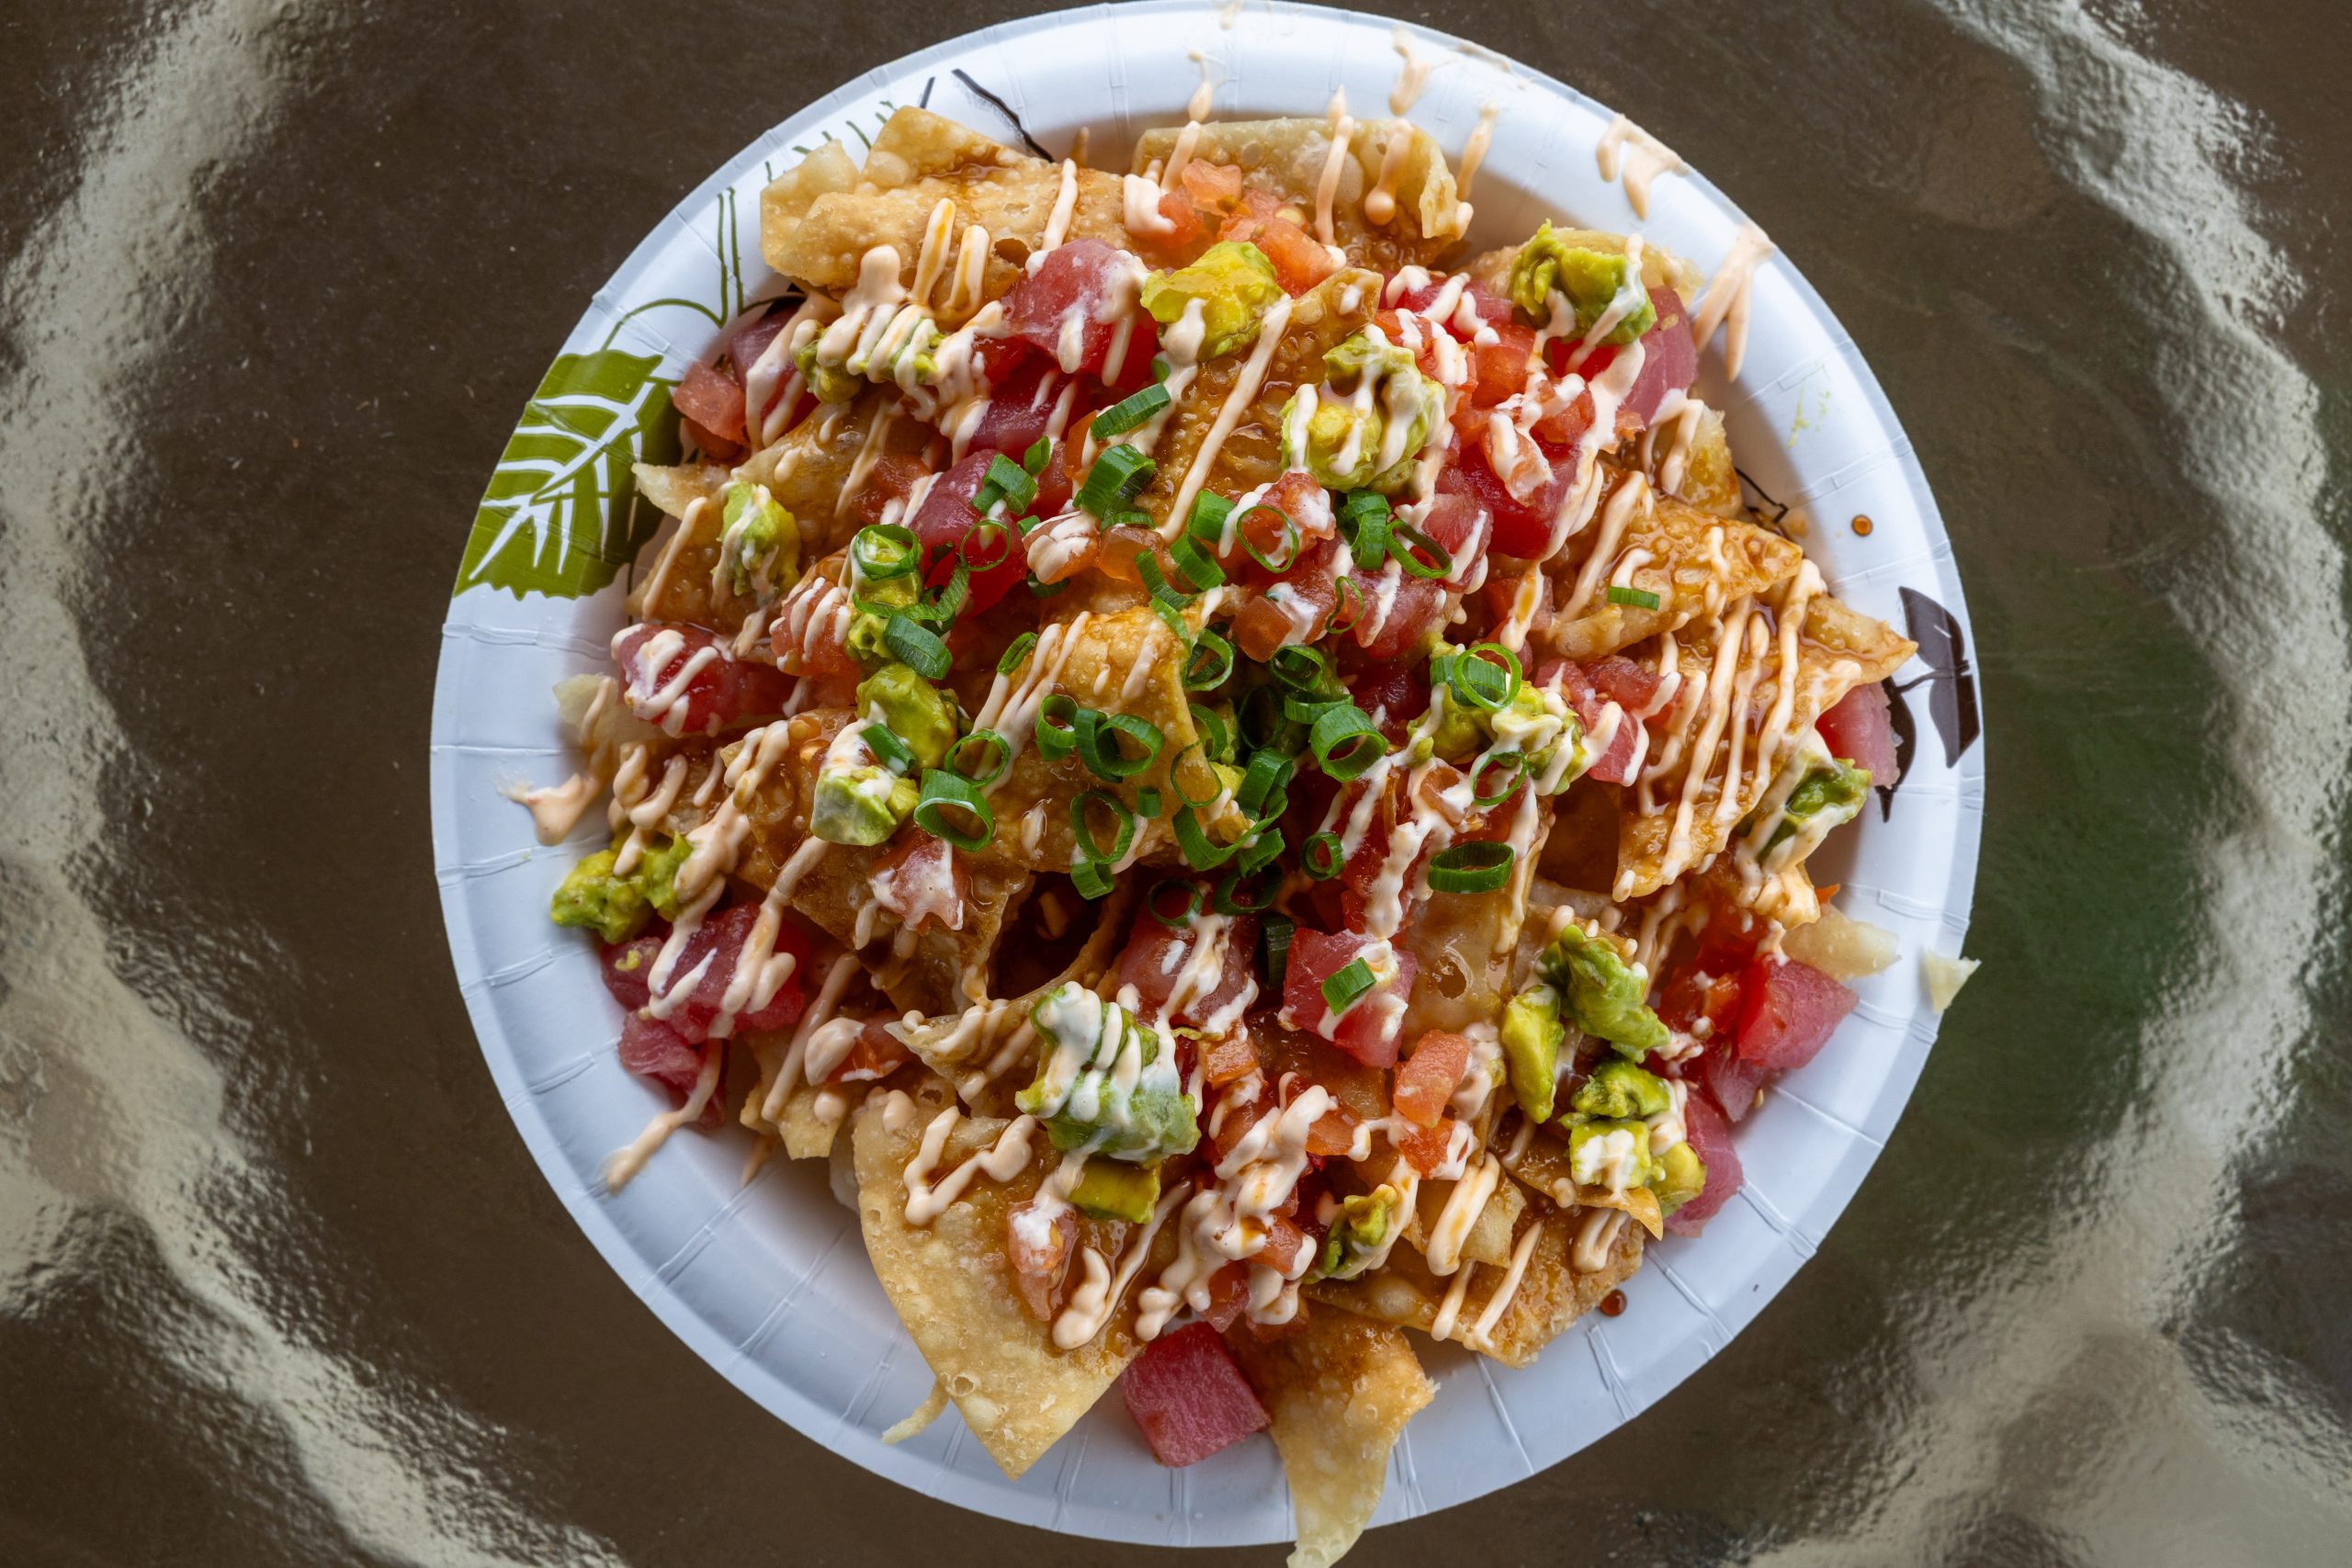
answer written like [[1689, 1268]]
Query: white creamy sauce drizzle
[[1726, 301], [621, 1168], [1641, 157], [1228, 416], [1380, 201], [1001, 1162], [1412, 73], [1327, 188], [1474, 153]]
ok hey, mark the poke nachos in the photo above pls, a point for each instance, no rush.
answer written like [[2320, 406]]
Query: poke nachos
[[1237, 767]]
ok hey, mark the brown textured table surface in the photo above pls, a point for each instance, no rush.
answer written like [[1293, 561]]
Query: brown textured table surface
[[279, 1283]]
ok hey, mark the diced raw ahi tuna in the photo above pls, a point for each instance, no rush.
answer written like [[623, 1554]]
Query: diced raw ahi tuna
[[1669, 358], [683, 680], [626, 963], [1857, 728], [1367, 1030], [994, 562], [1189, 1397], [651, 1049], [1710, 1137], [707, 963], [1158, 957], [1522, 524], [1589, 688], [1786, 1013], [1426, 1079], [1731, 1079], [1086, 282]]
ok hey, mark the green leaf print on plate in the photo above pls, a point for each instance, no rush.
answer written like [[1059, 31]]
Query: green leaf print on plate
[[562, 515]]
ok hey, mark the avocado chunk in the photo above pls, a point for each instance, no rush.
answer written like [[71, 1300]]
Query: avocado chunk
[[861, 804], [1682, 1175], [912, 708], [1590, 281], [1358, 1232], [656, 874], [1368, 422], [1114, 1190], [1618, 1090], [1604, 996], [1537, 725], [830, 383], [1235, 285], [614, 906], [1816, 792], [1107, 1082], [761, 541], [1612, 1155], [1532, 1036]]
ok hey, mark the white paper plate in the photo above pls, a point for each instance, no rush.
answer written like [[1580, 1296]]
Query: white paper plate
[[769, 1282]]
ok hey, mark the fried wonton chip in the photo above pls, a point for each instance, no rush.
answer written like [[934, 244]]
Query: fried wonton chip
[[1340, 1388], [1693, 561], [1251, 454], [1287, 157], [984, 1050], [953, 1288], [1661, 268], [820, 217], [1489, 1237], [1127, 662], [1548, 1295], [1838, 648], [1707, 480]]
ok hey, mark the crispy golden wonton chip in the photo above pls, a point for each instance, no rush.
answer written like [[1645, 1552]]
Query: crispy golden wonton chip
[[954, 1289], [820, 217], [1549, 1296], [1838, 648], [1694, 561], [1463, 943], [1709, 482], [1340, 1388], [1251, 455], [1287, 157]]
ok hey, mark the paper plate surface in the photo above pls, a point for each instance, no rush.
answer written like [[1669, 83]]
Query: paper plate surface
[[769, 1282]]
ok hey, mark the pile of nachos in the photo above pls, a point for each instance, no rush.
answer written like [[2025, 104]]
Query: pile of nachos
[[1237, 768]]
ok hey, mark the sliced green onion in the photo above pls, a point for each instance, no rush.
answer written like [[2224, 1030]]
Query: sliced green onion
[[917, 648], [1278, 931], [1155, 581], [1160, 367], [941, 607], [884, 743], [1098, 743], [1231, 901], [1175, 776], [996, 757], [1182, 918], [1307, 710], [1289, 544], [1513, 765], [1346, 742], [1347, 607], [1214, 734], [1002, 537], [1047, 590], [1147, 801], [1407, 542], [1117, 477], [1365, 515], [1322, 855], [1057, 725], [1199, 568], [1016, 653], [1130, 411], [1207, 522], [1639, 598], [944, 792], [1262, 847], [1480, 866], [1264, 727], [1033, 461], [1267, 773], [1008, 482], [1091, 879], [1193, 842], [1484, 682], [1208, 663], [1343, 985], [881, 551], [1302, 669], [1083, 830]]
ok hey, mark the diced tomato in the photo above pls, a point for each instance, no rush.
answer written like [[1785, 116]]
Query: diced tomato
[[712, 399], [1188, 226], [1086, 279], [626, 963], [1332, 1134], [1300, 262], [1670, 359], [943, 521], [1188, 1396], [1522, 525], [1694, 995], [1229, 1059], [1560, 429], [1367, 1031], [1499, 369], [714, 447], [922, 880], [1731, 1081], [875, 1054], [1040, 1253], [1393, 695], [651, 1049], [1228, 1293], [1216, 185], [1284, 1244], [713, 689], [1426, 1079], [719, 939], [1158, 958], [1425, 1147], [1858, 729], [1710, 1137], [1787, 1011]]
